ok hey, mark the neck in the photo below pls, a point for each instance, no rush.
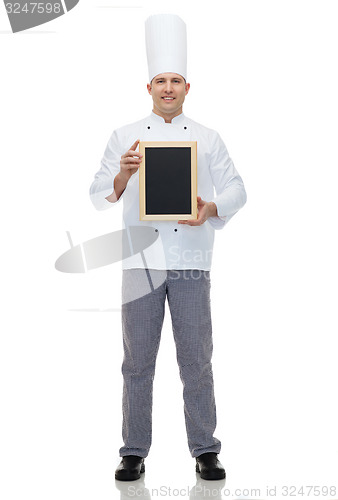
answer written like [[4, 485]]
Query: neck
[[167, 116]]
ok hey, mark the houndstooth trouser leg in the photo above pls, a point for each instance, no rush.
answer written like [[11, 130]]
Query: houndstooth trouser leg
[[188, 294]]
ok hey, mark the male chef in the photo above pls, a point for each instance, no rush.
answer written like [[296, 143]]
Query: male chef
[[177, 266]]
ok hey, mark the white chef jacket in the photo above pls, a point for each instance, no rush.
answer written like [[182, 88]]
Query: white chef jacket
[[179, 246]]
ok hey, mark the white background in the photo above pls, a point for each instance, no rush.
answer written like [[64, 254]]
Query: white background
[[264, 75]]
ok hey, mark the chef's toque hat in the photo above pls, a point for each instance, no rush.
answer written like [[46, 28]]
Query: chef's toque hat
[[166, 45]]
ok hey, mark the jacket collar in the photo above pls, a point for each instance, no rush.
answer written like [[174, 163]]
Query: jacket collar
[[176, 120]]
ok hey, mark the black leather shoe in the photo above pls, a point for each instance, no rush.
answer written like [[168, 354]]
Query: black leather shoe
[[130, 468], [209, 466]]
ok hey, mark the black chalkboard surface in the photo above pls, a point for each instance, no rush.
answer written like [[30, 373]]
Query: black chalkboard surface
[[168, 180]]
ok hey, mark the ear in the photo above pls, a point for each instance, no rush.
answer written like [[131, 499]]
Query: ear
[[187, 88], [149, 88]]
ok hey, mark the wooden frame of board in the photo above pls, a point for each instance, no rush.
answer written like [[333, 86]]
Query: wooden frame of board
[[168, 180]]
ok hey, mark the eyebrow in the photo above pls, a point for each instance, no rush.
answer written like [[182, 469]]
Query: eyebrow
[[173, 78]]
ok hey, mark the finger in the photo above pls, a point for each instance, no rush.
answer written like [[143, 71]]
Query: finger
[[184, 221], [131, 151], [131, 154], [134, 146], [130, 159], [189, 223], [196, 222], [192, 222], [129, 164], [130, 168]]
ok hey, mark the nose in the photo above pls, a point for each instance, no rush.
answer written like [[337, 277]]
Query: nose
[[168, 88]]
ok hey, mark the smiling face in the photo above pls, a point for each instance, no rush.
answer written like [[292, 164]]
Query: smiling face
[[168, 91]]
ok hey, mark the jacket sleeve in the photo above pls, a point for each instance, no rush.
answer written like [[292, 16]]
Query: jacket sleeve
[[229, 187], [103, 184]]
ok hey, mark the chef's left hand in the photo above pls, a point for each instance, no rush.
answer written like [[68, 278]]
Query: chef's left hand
[[205, 210]]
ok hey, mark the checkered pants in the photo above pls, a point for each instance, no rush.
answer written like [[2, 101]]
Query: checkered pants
[[188, 293]]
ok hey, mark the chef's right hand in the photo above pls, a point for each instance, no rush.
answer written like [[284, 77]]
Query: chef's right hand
[[130, 162]]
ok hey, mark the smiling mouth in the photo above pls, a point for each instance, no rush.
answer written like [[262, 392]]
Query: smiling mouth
[[168, 98]]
